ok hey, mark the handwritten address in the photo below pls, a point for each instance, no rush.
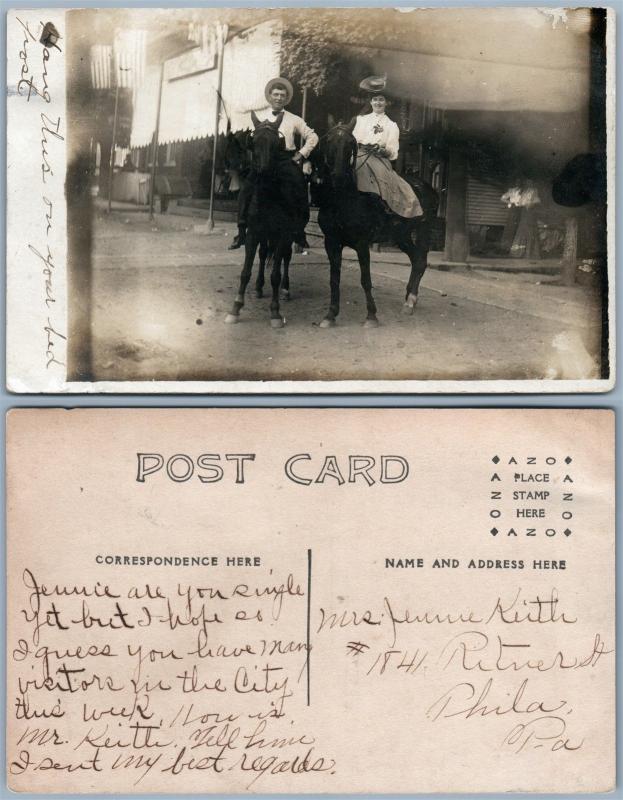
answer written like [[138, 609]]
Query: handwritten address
[[487, 661]]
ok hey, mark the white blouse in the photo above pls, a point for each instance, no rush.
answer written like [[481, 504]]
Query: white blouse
[[378, 129]]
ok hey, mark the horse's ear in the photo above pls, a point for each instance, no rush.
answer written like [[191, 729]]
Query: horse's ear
[[351, 125], [277, 121], [254, 119], [330, 121]]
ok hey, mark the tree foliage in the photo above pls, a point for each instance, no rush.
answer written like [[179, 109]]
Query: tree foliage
[[316, 45], [308, 58]]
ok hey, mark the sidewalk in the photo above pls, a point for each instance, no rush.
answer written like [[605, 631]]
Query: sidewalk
[[535, 294], [436, 259]]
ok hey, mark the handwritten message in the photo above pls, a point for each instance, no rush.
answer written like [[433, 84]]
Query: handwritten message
[[33, 85], [193, 677]]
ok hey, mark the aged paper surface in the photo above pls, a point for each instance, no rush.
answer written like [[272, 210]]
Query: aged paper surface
[[128, 162], [311, 601]]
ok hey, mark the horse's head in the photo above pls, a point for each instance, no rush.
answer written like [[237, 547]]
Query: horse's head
[[339, 150], [265, 142]]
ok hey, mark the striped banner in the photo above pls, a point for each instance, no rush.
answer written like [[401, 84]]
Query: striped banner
[[130, 57], [101, 66], [120, 64]]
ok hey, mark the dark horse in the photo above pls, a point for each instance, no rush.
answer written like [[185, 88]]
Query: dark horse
[[238, 157], [350, 218], [271, 224]]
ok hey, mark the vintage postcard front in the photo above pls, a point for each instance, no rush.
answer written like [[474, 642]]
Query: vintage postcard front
[[227, 601], [310, 200]]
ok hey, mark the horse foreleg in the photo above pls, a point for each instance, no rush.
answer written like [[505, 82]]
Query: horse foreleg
[[276, 320], [334, 252], [259, 283], [363, 254], [285, 278], [245, 276], [418, 256]]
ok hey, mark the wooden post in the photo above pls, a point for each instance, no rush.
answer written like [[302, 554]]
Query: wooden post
[[457, 239], [111, 165], [221, 35], [570, 250], [154, 155]]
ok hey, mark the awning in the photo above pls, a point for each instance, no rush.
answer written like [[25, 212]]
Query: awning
[[189, 100]]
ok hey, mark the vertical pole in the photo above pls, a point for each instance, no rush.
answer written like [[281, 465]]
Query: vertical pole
[[220, 45], [111, 164], [154, 155], [570, 250], [304, 104], [457, 240]]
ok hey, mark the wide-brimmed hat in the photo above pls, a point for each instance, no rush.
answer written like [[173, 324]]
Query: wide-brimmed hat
[[375, 84], [284, 82], [371, 86]]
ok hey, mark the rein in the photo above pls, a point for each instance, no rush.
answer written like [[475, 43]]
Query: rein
[[370, 152], [367, 158]]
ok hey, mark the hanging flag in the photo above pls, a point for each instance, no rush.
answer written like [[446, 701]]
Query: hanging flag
[[121, 64], [130, 57], [101, 66]]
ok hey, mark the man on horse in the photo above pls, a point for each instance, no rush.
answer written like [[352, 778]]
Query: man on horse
[[278, 93]]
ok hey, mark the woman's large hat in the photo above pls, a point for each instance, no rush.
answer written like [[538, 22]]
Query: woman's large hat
[[276, 82], [371, 86], [375, 84]]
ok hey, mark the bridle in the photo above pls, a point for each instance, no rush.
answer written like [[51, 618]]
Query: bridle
[[265, 126], [354, 167], [341, 127]]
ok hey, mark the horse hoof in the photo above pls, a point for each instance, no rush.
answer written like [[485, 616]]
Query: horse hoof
[[285, 294], [371, 323], [230, 319], [277, 323], [410, 304], [327, 323]]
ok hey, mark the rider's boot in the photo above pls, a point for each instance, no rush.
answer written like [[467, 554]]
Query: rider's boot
[[239, 239], [301, 240]]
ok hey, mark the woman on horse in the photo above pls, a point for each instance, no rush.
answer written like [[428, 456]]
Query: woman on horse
[[378, 142]]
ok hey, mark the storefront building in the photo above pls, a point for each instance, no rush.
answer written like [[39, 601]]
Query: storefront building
[[491, 132]]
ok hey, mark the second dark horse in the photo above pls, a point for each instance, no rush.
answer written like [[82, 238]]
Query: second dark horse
[[350, 218], [271, 224]]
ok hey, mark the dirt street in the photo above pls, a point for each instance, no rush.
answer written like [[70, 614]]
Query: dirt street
[[162, 290]]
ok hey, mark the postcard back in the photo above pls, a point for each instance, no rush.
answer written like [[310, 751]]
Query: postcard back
[[311, 601]]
